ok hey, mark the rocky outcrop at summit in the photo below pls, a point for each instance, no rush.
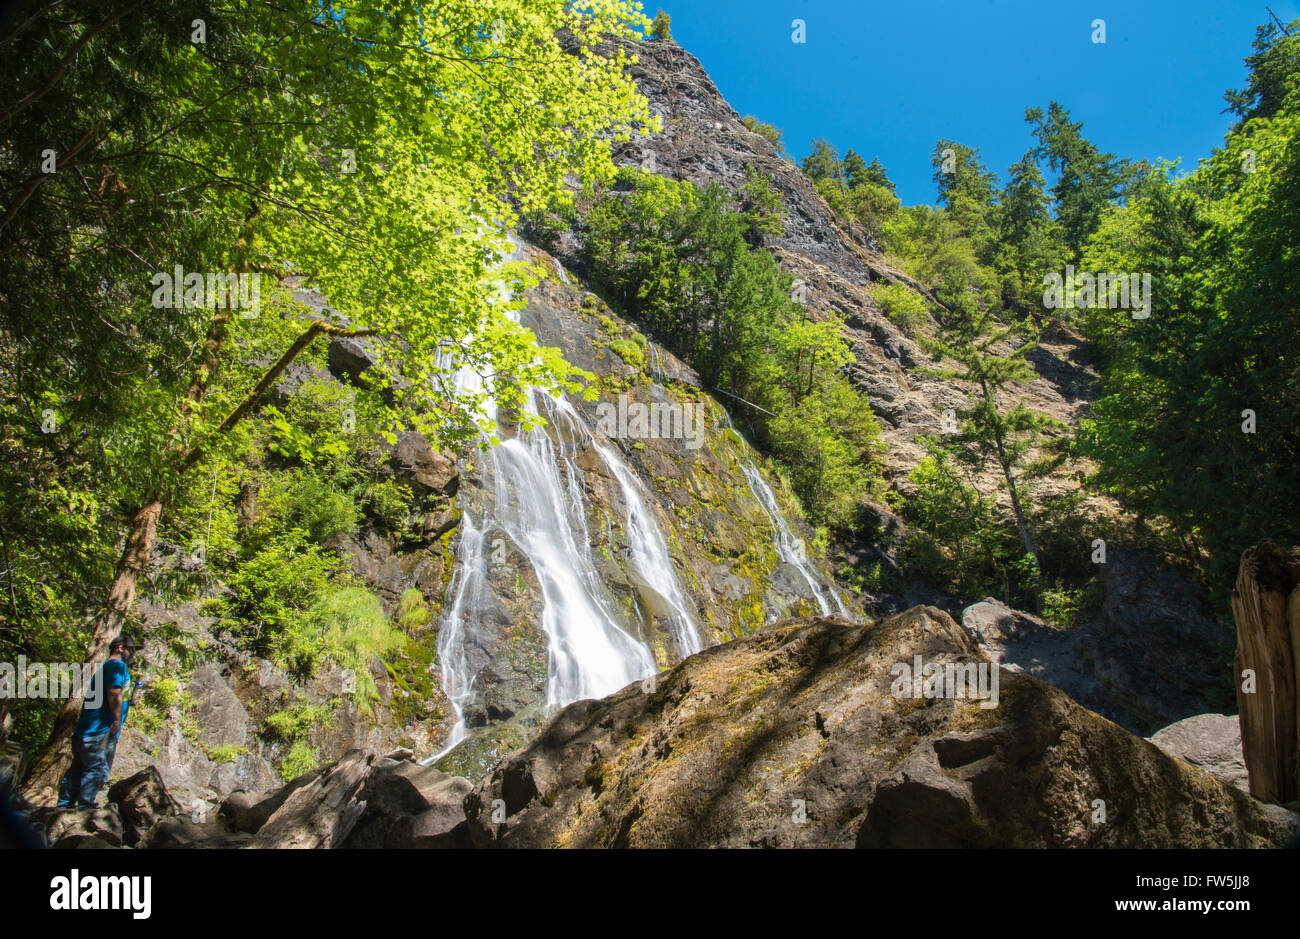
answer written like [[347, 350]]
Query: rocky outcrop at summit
[[794, 736]]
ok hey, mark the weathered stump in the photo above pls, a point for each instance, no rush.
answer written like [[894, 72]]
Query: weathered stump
[[1266, 607]]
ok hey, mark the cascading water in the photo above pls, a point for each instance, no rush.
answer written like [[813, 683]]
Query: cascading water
[[651, 559], [533, 496], [789, 547]]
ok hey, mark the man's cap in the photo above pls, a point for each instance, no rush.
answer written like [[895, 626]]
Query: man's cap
[[124, 642]]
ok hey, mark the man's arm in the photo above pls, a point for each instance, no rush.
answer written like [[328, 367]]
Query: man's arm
[[115, 708]]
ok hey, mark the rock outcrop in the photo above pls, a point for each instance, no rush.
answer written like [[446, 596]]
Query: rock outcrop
[[1210, 741], [794, 737], [1151, 655]]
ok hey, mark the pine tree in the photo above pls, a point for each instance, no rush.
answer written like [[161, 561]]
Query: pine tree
[[661, 28], [1087, 180], [970, 337]]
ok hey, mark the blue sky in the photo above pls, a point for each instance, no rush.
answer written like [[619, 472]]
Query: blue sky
[[891, 78]]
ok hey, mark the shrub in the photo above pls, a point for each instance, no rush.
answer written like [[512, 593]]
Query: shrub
[[226, 753], [300, 759], [354, 630], [901, 305], [310, 503], [295, 721], [629, 352], [272, 592], [388, 502], [162, 694], [412, 612]]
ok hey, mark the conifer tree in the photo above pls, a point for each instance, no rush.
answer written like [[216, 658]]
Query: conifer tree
[[989, 431]]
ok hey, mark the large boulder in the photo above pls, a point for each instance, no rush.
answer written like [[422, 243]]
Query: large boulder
[[442, 822], [141, 801], [1210, 741], [1148, 658], [248, 811], [426, 469], [803, 735], [322, 813]]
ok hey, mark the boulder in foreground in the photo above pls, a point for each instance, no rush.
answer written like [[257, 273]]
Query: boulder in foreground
[[791, 737]]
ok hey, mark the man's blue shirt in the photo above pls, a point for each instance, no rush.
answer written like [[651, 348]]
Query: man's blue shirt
[[95, 721]]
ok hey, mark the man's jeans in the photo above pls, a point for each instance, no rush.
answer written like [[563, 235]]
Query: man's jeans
[[91, 757]]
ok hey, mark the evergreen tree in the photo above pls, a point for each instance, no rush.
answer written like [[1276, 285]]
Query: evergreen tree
[[1087, 180], [991, 432], [1273, 71], [967, 190], [1027, 240], [661, 28], [823, 165]]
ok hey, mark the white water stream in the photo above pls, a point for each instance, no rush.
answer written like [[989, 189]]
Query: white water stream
[[533, 498], [789, 547]]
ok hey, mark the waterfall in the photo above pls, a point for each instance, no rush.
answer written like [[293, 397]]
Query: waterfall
[[533, 496], [789, 547], [656, 364]]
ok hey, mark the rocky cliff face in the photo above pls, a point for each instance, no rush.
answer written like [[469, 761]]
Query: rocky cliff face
[[705, 141]]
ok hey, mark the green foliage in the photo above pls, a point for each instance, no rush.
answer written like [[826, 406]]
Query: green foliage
[[305, 502], [762, 204], [661, 27], [903, 306], [388, 502], [1168, 429], [295, 722], [273, 591], [680, 261], [856, 192], [300, 759], [1274, 73], [162, 694], [630, 352], [770, 132], [959, 538], [412, 611], [353, 631], [225, 753], [344, 143], [1088, 180]]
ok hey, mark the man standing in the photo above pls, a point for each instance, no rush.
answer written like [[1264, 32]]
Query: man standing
[[95, 738]]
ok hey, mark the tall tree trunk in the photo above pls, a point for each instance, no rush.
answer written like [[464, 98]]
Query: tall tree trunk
[[51, 763], [1030, 549], [1266, 607], [1005, 464]]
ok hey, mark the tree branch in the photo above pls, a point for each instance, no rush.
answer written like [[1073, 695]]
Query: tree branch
[[195, 453]]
